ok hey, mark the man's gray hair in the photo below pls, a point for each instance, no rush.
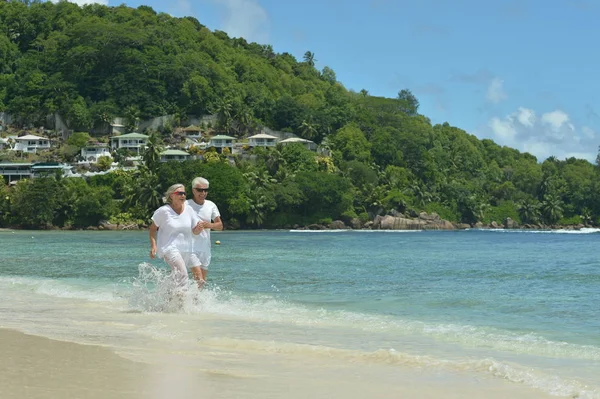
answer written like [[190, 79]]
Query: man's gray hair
[[199, 180]]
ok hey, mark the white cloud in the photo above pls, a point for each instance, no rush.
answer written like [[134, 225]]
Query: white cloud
[[552, 134], [555, 118], [526, 117], [588, 132], [503, 128], [83, 2], [245, 18], [495, 91]]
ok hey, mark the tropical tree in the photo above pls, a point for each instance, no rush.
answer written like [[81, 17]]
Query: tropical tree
[[309, 58], [586, 216], [224, 112], [151, 153], [145, 195], [104, 163], [308, 129], [275, 160], [529, 210], [259, 205], [244, 121], [407, 102], [552, 208], [39, 201], [132, 118]]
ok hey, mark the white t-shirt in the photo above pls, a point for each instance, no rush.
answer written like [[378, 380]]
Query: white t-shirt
[[206, 212], [174, 230]]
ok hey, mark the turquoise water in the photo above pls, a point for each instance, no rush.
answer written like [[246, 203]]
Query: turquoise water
[[517, 305]]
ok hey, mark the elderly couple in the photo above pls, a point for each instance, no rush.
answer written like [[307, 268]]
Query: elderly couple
[[180, 231]]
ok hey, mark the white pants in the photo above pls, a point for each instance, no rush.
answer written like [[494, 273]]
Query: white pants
[[178, 263]]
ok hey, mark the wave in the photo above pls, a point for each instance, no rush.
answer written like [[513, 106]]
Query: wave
[[65, 288], [355, 231], [152, 291], [552, 384], [585, 230]]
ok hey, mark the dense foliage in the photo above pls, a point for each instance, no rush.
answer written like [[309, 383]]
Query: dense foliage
[[93, 63]]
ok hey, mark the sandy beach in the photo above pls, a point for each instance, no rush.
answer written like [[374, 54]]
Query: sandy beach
[[35, 367]]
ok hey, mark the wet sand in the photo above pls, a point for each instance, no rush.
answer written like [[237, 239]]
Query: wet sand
[[35, 367]]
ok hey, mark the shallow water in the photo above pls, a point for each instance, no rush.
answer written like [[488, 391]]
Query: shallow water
[[519, 306]]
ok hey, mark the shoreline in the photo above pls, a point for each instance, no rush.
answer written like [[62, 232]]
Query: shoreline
[[35, 367], [28, 368], [555, 228]]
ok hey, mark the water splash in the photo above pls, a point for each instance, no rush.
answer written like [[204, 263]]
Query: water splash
[[156, 290]]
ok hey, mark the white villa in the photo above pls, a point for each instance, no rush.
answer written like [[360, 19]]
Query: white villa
[[31, 143], [262, 140], [311, 145], [133, 142], [222, 141], [174, 155], [192, 131], [91, 152], [17, 171]]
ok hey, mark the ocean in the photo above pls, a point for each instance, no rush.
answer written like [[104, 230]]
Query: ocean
[[518, 307]]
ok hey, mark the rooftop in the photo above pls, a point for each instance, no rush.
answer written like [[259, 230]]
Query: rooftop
[[296, 140], [222, 137], [130, 136], [31, 137], [174, 152], [262, 136]]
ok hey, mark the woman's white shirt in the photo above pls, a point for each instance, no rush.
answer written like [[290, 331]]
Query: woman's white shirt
[[174, 230]]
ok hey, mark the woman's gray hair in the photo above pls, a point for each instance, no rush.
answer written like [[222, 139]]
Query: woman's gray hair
[[199, 180], [171, 190]]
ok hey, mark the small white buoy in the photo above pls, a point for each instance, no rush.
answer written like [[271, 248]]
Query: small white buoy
[[218, 242]]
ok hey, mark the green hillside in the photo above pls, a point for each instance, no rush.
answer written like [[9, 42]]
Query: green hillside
[[93, 63]]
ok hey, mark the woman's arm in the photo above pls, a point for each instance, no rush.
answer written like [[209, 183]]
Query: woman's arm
[[198, 227], [152, 233]]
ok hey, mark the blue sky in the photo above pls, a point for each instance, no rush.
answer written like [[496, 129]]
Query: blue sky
[[522, 73]]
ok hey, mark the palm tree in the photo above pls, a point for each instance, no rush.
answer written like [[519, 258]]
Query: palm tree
[[309, 58], [257, 207], [224, 112], [245, 121], [373, 198], [259, 179], [145, 193], [421, 194], [586, 216], [552, 208], [546, 186], [308, 129], [268, 52], [529, 211], [132, 116], [480, 209], [275, 160], [151, 154]]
